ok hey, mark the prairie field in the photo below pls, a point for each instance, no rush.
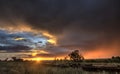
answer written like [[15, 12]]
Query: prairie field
[[41, 68]]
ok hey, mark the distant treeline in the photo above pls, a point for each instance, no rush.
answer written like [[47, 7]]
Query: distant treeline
[[114, 59]]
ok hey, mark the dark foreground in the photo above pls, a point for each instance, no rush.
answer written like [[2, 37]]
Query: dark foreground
[[49, 68]]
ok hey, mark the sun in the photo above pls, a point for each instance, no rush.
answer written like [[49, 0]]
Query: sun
[[37, 59]]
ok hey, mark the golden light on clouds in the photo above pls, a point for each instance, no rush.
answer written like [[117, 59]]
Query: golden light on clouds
[[43, 52], [34, 54], [17, 39], [19, 26], [36, 57], [52, 39], [24, 27]]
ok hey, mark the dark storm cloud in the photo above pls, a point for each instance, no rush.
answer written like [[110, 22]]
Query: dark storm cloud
[[57, 14], [84, 23], [20, 41], [15, 48]]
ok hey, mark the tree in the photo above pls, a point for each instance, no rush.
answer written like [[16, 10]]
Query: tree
[[74, 56]]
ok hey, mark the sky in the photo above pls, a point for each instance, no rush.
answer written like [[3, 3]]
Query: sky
[[54, 28]]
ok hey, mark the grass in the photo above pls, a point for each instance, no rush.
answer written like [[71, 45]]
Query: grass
[[39, 68]]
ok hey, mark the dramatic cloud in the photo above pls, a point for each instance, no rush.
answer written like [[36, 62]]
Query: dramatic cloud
[[21, 41], [77, 24], [16, 48]]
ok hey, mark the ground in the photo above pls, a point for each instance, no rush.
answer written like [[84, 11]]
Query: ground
[[40, 68]]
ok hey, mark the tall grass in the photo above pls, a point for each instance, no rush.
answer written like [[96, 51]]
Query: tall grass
[[39, 68]]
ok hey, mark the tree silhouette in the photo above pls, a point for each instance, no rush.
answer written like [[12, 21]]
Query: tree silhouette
[[74, 56]]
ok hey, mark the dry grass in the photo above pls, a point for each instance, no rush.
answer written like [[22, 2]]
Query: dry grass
[[39, 68]]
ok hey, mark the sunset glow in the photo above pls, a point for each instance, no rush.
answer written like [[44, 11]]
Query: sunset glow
[[34, 54], [43, 52], [52, 39], [45, 29], [38, 58]]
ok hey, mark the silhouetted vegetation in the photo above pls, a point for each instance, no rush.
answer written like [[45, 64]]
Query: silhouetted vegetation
[[74, 63], [74, 56], [17, 59], [116, 59], [106, 60]]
